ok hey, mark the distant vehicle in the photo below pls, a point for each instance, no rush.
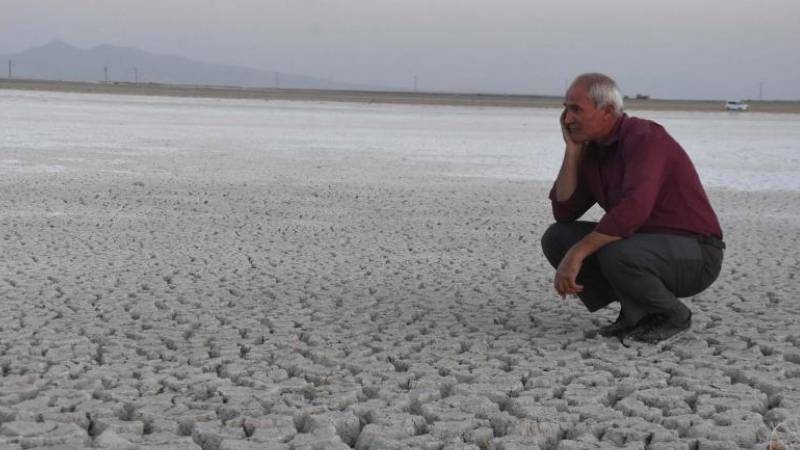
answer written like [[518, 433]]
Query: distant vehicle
[[736, 105]]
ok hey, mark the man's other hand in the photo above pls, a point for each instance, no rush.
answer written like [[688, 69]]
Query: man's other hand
[[566, 275]]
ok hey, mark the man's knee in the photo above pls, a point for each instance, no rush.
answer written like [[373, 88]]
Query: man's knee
[[549, 237], [560, 236], [553, 242]]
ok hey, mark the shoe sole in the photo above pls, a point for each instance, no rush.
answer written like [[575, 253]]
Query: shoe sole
[[616, 334], [670, 339]]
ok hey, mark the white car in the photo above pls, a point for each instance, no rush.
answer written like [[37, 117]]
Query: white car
[[736, 105]]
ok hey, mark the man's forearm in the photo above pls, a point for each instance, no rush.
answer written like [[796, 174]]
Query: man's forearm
[[567, 180], [591, 243]]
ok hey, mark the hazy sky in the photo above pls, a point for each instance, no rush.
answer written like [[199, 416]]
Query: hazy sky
[[666, 48]]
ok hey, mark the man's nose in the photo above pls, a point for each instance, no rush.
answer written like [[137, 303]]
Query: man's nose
[[569, 117]]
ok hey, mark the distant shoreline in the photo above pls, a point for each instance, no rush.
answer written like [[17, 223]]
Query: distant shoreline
[[418, 98]]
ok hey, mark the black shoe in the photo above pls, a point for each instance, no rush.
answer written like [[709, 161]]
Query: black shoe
[[658, 327], [616, 329]]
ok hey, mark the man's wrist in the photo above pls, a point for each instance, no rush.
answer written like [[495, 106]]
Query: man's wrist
[[577, 253], [574, 149]]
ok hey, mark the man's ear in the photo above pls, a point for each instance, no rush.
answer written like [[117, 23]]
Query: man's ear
[[608, 113]]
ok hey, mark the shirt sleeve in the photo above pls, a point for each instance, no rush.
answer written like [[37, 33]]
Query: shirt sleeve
[[572, 208], [645, 158]]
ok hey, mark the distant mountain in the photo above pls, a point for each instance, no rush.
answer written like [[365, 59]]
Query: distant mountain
[[61, 61]]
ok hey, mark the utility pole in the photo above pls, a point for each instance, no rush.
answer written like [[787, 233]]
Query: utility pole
[[105, 70], [135, 74], [415, 83], [760, 90], [9, 69], [277, 80]]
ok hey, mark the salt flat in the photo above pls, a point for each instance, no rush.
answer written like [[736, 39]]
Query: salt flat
[[219, 274]]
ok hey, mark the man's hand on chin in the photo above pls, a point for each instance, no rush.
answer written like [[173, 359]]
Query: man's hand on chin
[[574, 143]]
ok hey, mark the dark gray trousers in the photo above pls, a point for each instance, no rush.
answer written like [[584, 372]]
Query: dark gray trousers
[[646, 273]]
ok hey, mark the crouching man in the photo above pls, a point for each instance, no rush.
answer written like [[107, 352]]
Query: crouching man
[[659, 238]]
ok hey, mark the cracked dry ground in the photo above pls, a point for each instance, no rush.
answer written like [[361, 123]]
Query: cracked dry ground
[[329, 309]]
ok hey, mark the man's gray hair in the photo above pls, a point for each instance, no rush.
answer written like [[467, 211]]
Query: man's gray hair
[[602, 89]]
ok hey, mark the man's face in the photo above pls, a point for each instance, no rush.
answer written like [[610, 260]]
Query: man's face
[[583, 120]]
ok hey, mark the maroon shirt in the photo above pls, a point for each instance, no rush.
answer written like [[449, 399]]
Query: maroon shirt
[[644, 181]]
